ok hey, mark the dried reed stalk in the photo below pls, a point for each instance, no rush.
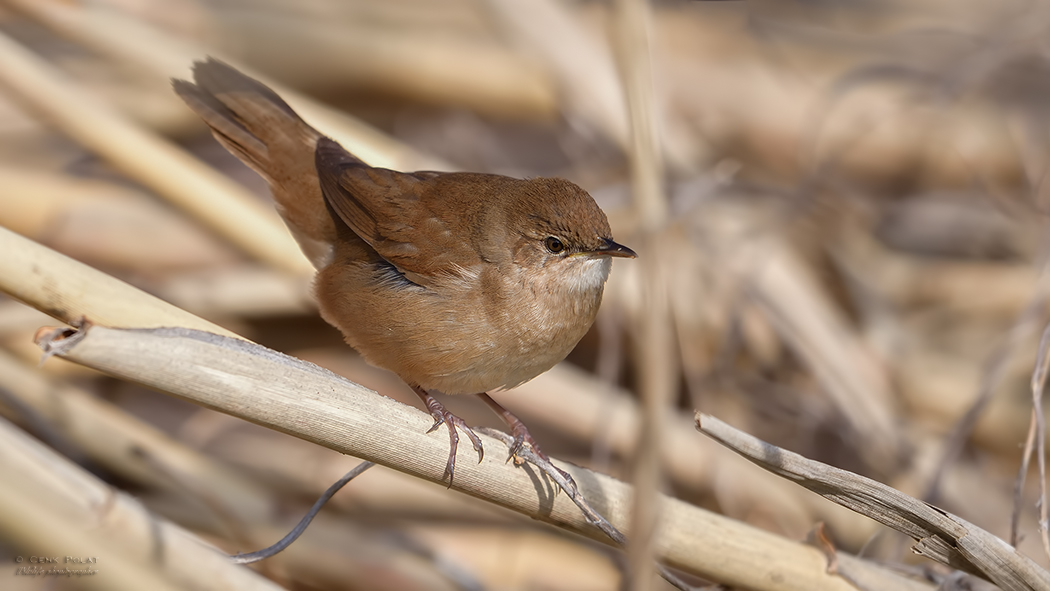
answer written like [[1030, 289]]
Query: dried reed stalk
[[422, 64], [581, 63], [220, 203], [748, 245], [1037, 432], [105, 223], [658, 372], [689, 460], [128, 40], [289, 395], [572, 403], [52, 505], [69, 291], [941, 536], [237, 290], [298, 398], [16, 318], [246, 509], [128, 447]]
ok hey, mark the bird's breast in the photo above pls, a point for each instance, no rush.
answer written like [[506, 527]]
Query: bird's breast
[[476, 330], [541, 315]]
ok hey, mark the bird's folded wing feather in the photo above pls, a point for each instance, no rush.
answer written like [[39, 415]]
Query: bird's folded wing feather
[[390, 211]]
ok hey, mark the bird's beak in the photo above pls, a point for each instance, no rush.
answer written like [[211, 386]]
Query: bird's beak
[[610, 248]]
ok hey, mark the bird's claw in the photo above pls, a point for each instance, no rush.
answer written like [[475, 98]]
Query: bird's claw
[[522, 435], [515, 447], [438, 421], [443, 417], [452, 422]]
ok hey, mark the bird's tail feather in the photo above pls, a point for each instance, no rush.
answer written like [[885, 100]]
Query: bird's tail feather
[[258, 127]]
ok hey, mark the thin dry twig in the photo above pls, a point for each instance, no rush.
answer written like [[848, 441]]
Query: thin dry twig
[[750, 247], [1036, 432], [1022, 473], [300, 527], [655, 351], [1038, 384], [941, 536], [994, 372]]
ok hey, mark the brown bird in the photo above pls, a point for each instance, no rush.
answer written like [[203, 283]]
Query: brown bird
[[461, 283]]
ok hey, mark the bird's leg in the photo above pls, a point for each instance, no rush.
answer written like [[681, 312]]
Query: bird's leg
[[520, 432], [437, 410], [517, 428]]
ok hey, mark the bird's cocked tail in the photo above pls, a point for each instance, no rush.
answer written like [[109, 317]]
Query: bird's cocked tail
[[259, 127]]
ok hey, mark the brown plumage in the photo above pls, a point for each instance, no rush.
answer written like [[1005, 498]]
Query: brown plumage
[[457, 282]]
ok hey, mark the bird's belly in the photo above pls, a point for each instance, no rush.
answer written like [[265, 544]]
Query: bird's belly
[[502, 365], [450, 344], [469, 353]]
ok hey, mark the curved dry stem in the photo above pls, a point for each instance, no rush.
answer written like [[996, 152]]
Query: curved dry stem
[[940, 535], [250, 557], [303, 400], [1039, 424]]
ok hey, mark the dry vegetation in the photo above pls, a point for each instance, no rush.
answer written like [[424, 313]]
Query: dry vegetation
[[842, 252]]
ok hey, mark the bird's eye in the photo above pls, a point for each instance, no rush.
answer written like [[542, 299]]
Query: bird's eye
[[554, 245]]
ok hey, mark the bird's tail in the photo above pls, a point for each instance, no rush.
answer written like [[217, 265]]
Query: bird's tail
[[258, 127]]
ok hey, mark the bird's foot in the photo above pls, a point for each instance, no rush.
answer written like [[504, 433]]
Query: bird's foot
[[521, 437], [443, 416]]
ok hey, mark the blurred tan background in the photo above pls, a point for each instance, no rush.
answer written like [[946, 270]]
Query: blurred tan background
[[854, 250]]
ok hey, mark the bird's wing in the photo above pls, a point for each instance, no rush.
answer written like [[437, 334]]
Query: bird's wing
[[389, 211]]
